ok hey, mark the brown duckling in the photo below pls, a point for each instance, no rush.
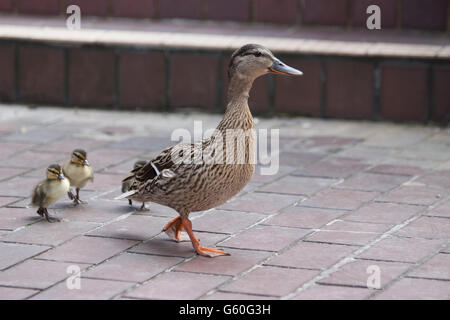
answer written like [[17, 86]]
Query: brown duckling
[[127, 182], [49, 191], [79, 172]]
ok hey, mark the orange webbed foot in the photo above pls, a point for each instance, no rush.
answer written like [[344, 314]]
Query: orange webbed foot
[[174, 229]]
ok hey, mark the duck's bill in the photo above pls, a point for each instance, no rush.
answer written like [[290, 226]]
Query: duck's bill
[[279, 67], [60, 176], [85, 162]]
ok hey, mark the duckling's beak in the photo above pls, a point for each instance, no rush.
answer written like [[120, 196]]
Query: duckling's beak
[[85, 163], [279, 67], [60, 176]]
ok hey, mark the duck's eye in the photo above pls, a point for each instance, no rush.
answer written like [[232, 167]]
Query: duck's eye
[[257, 54]]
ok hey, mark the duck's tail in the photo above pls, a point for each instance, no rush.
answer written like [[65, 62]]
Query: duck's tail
[[126, 195]]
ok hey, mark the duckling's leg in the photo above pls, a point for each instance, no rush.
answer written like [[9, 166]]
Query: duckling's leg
[[130, 202], [143, 207], [70, 195], [174, 229], [77, 198], [48, 217], [204, 251]]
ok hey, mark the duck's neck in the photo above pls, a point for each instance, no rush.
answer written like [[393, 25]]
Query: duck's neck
[[237, 114]]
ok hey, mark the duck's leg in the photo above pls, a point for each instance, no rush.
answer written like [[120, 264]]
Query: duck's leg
[[143, 207], [48, 217], [130, 202], [174, 229], [204, 251]]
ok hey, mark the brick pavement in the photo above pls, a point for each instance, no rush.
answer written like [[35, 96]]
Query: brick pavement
[[347, 196]]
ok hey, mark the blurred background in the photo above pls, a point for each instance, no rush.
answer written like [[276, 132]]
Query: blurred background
[[172, 55]]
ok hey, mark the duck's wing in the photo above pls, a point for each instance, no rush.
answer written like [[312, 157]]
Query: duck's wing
[[39, 195]]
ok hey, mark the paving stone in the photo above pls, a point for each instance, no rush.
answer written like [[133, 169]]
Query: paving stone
[[370, 155], [401, 170], [384, 212], [31, 159], [99, 211], [269, 238], [401, 249], [144, 143], [342, 237], [52, 234], [267, 280], [299, 159], [297, 185], [353, 226], [133, 227], [339, 199], [219, 295], [13, 218], [178, 286], [372, 182], [439, 179], [102, 158], [310, 255], [8, 200], [259, 177], [327, 292], [13, 253], [162, 245], [304, 217], [442, 210], [416, 289], [261, 202], [237, 262], [6, 173], [36, 274], [132, 267], [416, 194], [88, 250], [333, 167], [7, 293], [427, 227], [435, 268], [35, 136], [91, 289], [225, 221], [357, 273], [10, 148], [67, 145]]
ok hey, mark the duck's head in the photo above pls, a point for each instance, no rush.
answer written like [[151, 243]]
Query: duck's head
[[139, 164], [79, 156], [254, 60], [54, 172]]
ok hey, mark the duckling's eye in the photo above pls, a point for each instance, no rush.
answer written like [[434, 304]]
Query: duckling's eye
[[257, 54]]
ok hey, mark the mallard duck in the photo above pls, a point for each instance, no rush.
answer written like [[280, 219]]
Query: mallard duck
[[79, 172], [127, 182], [180, 177], [49, 190]]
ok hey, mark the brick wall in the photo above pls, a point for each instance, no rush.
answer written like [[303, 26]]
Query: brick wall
[[152, 79], [429, 15]]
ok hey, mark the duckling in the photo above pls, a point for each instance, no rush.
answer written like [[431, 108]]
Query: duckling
[[48, 191], [189, 186], [126, 184], [79, 172]]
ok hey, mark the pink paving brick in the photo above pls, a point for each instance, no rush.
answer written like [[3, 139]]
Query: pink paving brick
[[102, 158], [342, 237], [88, 249], [178, 285], [133, 227], [356, 226], [7, 293], [419, 195], [439, 179], [132, 267], [8, 200], [304, 217], [327, 292], [435, 268], [401, 249], [13, 253], [67, 145], [336, 167], [261, 202], [37, 274], [339, 199], [300, 159], [417, 289], [297, 185], [381, 212], [401, 170], [91, 289], [237, 262], [164, 246], [95, 211], [45, 233], [310, 255], [427, 227], [271, 281], [6, 173], [232, 296], [10, 148], [226, 221], [32, 159], [373, 182], [356, 273], [442, 210], [104, 182], [269, 238]]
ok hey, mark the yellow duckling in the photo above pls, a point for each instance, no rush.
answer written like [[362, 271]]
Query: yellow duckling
[[128, 182], [79, 172], [48, 191]]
